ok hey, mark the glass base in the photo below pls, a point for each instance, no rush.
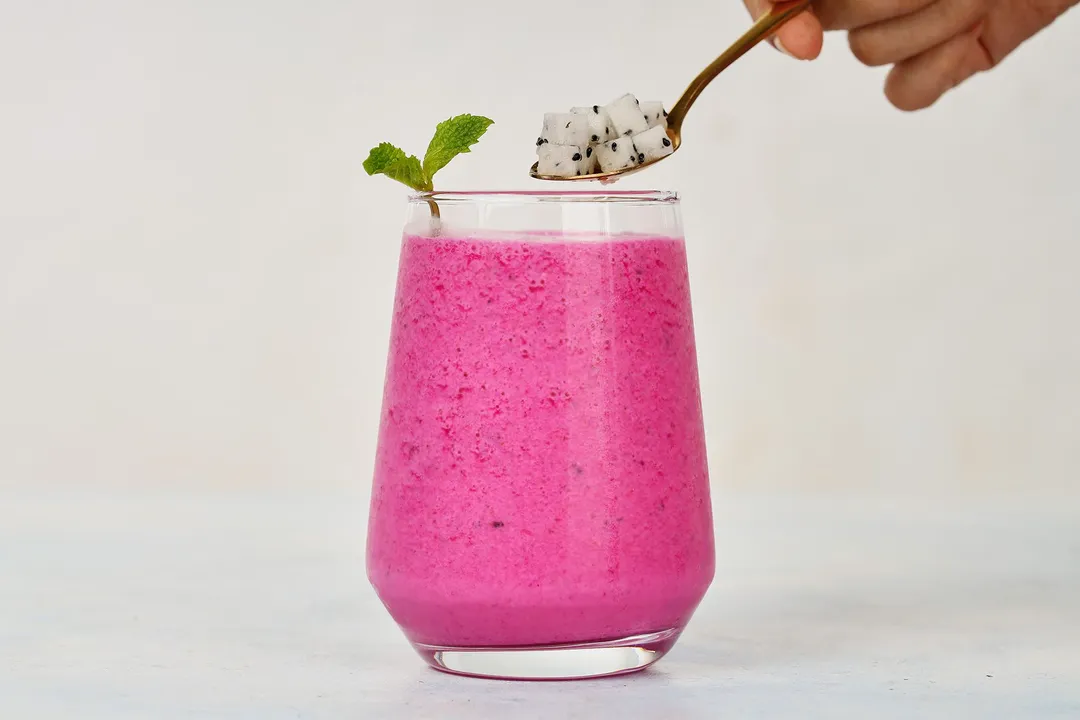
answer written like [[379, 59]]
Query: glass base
[[553, 662]]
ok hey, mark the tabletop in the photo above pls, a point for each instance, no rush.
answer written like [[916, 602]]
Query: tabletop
[[254, 605]]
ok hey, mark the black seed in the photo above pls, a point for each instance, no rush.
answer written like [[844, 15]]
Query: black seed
[[539, 142], [628, 133], [667, 143], [614, 146], [568, 124], [577, 157], [637, 101], [588, 152], [596, 109], [546, 140], [641, 157], [595, 138], [497, 524], [579, 172], [665, 113]]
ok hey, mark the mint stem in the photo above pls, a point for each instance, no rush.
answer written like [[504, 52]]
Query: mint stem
[[434, 209]]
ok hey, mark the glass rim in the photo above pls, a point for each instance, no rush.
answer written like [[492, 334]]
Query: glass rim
[[544, 196]]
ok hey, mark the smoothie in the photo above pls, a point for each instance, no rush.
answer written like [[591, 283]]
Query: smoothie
[[541, 472]]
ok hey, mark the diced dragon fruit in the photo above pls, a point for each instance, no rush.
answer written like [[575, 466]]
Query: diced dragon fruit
[[655, 114], [560, 160], [600, 127], [565, 129], [590, 162], [617, 155], [626, 116], [654, 144]]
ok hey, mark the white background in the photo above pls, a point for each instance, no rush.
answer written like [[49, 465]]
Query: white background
[[196, 276], [196, 282]]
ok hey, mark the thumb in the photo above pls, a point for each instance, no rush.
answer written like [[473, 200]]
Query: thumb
[[801, 37]]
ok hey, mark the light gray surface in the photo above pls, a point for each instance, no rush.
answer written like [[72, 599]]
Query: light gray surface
[[255, 607]]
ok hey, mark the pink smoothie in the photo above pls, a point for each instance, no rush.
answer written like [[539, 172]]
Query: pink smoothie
[[541, 473]]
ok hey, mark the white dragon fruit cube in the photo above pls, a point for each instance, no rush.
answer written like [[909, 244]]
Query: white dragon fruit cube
[[654, 112], [626, 115], [560, 160], [617, 154], [590, 161], [564, 129], [600, 127], [653, 144]]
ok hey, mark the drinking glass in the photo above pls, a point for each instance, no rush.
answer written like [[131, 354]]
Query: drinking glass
[[541, 496]]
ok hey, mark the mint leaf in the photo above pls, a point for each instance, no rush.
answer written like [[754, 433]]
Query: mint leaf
[[408, 171], [392, 162], [382, 157], [453, 137]]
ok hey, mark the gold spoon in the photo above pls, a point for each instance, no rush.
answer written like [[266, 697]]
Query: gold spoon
[[769, 23]]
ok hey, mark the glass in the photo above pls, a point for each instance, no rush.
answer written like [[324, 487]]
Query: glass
[[541, 498]]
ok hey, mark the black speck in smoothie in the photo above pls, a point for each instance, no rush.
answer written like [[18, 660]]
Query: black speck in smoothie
[[497, 524]]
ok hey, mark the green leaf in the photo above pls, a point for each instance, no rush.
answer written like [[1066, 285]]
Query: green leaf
[[392, 162], [382, 157], [408, 171], [453, 137]]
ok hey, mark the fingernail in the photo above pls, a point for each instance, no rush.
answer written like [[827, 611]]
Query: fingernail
[[780, 46]]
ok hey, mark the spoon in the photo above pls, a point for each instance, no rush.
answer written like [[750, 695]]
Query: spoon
[[769, 23]]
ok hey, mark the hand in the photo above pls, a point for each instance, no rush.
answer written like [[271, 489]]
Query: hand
[[933, 45]]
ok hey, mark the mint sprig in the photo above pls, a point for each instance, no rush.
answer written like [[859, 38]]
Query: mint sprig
[[452, 138]]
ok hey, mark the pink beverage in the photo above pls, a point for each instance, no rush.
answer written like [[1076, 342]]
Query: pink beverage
[[541, 479]]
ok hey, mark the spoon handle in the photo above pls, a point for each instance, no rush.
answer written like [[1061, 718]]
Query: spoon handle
[[780, 13]]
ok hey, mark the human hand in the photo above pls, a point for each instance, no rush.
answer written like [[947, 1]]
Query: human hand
[[933, 45]]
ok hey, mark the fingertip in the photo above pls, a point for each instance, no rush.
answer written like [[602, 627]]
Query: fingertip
[[801, 37], [903, 97], [919, 82]]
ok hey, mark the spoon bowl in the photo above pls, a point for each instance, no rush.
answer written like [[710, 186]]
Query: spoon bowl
[[769, 23]]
